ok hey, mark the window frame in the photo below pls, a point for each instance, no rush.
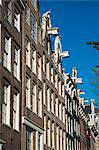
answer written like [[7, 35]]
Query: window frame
[[6, 104]]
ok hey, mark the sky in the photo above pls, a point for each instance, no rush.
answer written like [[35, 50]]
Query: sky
[[78, 23]]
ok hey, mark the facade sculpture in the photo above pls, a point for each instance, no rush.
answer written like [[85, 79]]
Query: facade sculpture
[[46, 23], [58, 48]]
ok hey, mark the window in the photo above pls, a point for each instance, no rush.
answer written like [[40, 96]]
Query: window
[[33, 139], [63, 90], [52, 75], [39, 67], [39, 34], [48, 98], [28, 139], [8, 12], [17, 20], [47, 70], [34, 59], [53, 136], [34, 27], [44, 93], [65, 100], [59, 68], [16, 110], [28, 15], [17, 62], [39, 103], [7, 52], [67, 144], [56, 80], [57, 137], [27, 46], [60, 111], [48, 133], [61, 139], [56, 107], [52, 102], [63, 114], [70, 107], [44, 62], [66, 122], [34, 98], [39, 141], [28, 92], [6, 104], [60, 87], [45, 126], [64, 140]]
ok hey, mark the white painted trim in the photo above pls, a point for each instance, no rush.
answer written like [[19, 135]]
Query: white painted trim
[[8, 105], [29, 123], [0, 2], [1, 144]]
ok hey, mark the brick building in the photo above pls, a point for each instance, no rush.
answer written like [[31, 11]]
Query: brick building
[[39, 103], [10, 74]]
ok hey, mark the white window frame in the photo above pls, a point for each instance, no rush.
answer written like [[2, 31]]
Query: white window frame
[[16, 106], [52, 102], [27, 47], [59, 68], [57, 137], [63, 90], [28, 15], [28, 138], [39, 102], [34, 98], [34, 60], [56, 107], [6, 104], [45, 129], [61, 143], [39, 34], [60, 111], [53, 135], [0, 2], [17, 20], [60, 88], [28, 92], [63, 114], [39, 67], [7, 52], [8, 14], [17, 62], [48, 99], [52, 77], [33, 27], [44, 60], [49, 133], [33, 127], [39, 139], [47, 70], [44, 93], [56, 80], [64, 140]]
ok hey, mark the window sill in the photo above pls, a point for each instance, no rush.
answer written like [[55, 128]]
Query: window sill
[[16, 130], [6, 125]]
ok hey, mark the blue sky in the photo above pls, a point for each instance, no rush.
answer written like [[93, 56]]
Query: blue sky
[[78, 22]]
